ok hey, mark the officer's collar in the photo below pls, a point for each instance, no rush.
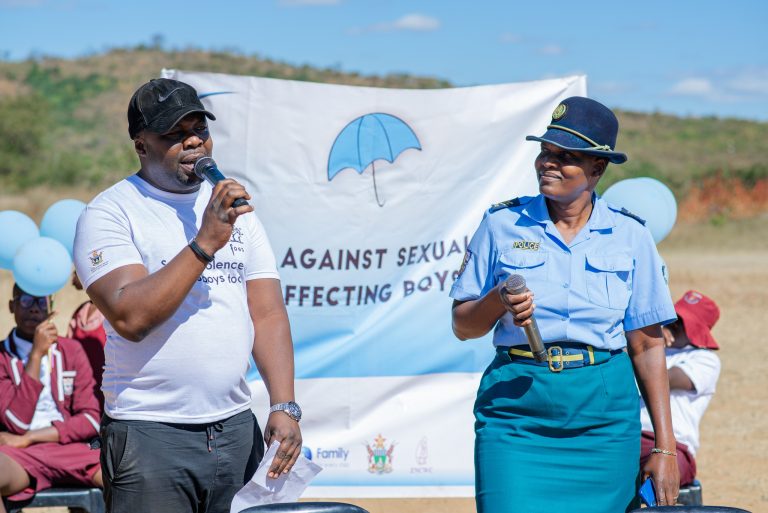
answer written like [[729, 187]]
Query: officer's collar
[[536, 209], [600, 219]]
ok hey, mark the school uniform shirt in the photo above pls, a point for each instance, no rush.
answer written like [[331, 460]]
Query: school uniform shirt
[[702, 366], [609, 279], [71, 389], [191, 368], [45, 411]]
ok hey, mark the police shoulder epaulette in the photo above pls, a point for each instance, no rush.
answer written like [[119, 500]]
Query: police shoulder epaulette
[[515, 202], [629, 214]]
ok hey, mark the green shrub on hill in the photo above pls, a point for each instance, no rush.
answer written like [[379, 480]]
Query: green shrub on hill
[[24, 122], [63, 121]]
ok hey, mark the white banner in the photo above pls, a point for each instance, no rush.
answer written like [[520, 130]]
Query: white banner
[[369, 197]]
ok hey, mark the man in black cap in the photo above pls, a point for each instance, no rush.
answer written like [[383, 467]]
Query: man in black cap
[[189, 287]]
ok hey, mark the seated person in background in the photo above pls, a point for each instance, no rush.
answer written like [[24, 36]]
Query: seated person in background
[[693, 369], [87, 327], [48, 410]]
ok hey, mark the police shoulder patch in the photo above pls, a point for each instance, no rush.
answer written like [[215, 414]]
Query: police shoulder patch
[[515, 202], [467, 256]]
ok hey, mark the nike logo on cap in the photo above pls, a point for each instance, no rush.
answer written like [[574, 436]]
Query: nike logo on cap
[[162, 98]]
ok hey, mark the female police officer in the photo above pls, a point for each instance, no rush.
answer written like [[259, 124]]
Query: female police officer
[[563, 434]]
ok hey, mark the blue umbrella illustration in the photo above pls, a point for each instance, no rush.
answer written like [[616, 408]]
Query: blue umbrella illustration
[[369, 138]]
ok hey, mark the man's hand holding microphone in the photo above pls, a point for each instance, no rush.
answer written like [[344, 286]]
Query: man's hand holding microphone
[[227, 203]]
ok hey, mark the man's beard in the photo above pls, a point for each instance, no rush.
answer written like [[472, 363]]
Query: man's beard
[[187, 180]]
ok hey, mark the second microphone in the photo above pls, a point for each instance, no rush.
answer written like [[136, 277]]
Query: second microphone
[[515, 284]]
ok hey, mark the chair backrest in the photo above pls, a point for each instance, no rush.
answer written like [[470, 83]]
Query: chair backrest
[[306, 507]]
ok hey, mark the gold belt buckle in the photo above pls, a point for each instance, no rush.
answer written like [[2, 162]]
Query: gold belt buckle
[[551, 358]]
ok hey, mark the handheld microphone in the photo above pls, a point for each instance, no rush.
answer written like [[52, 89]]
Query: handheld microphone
[[205, 168], [515, 284]]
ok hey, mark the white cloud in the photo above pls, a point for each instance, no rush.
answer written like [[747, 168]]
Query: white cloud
[[749, 82], [725, 85], [410, 22], [551, 50], [510, 38], [417, 22], [293, 3], [693, 87]]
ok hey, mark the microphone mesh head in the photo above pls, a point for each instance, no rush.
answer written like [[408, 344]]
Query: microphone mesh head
[[515, 284], [201, 164]]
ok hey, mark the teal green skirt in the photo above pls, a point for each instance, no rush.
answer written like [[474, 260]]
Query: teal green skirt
[[557, 442]]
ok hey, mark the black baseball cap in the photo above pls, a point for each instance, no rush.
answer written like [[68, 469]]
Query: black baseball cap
[[161, 103]]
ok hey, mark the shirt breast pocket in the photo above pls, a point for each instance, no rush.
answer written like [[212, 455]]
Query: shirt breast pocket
[[530, 265], [609, 280]]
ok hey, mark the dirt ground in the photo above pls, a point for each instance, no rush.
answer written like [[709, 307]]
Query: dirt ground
[[727, 263]]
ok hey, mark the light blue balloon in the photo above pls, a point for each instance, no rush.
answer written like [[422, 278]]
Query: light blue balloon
[[42, 266], [649, 199], [15, 229], [60, 222], [664, 194]]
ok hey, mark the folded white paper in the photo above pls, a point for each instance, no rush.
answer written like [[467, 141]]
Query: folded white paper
[[265, 490]]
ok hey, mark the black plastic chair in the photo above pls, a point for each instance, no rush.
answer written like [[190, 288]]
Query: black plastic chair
[[78, 500], [306, 507], [689, 509], [691, 495]]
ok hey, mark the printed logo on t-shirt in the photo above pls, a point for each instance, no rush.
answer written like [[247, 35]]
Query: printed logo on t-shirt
[[97, 259], [235, 243]]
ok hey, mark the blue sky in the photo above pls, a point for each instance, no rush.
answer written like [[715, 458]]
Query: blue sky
[[684, 57]]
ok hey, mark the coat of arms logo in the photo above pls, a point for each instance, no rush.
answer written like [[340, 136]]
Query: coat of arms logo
[[95, 258], [380, 456]]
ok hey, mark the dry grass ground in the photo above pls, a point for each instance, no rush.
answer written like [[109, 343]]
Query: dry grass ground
[[729, 264]]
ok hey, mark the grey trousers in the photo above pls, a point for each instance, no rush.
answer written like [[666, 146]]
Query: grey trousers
[[158, 467]]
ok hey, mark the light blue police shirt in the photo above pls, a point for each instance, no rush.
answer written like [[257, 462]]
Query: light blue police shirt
[[609, 279]]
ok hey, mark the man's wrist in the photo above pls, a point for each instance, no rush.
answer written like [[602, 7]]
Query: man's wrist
[[201, 253], [205, 244], [290, 408]]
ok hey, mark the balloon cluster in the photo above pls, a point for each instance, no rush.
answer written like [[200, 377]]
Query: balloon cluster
[[649, 199], [41, 260]]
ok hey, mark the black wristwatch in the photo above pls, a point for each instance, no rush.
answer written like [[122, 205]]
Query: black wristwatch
[[290, 408]]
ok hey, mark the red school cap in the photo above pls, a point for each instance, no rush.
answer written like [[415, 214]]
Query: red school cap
[[699, 314]]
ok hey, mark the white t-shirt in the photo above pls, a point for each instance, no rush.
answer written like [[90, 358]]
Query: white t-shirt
[[702, 366], [190, 369]]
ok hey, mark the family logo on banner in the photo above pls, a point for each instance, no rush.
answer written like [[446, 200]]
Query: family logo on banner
[[370, 197]]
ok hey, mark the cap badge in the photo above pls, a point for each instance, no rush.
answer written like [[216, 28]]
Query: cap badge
[[692, 298], [559, 112]]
